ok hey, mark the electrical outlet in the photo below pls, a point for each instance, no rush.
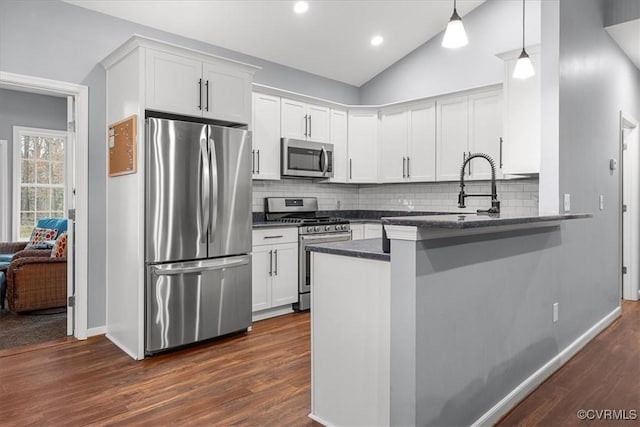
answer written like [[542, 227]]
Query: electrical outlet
[[555, 312], [601, 202], [567, 202]]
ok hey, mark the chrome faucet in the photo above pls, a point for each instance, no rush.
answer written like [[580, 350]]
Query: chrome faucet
[[495, 204]]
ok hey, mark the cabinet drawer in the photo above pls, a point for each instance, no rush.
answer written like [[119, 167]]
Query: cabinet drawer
[[274, 236]]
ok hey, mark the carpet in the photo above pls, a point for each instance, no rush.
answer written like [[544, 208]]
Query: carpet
[[31, 327]]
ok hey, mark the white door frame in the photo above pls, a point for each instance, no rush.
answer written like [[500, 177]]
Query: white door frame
[[5, 233], [630, 220], [79, 197]]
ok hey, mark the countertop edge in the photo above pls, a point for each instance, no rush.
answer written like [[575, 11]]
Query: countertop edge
[[364, 249], [425, 228]]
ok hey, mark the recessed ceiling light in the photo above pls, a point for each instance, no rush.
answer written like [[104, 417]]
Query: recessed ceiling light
[[377, 40], [300, 7]]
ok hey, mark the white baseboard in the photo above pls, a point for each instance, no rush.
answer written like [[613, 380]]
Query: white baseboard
[[527, 386], [123, 348], [271, 312], [100, 330], [320, 420]]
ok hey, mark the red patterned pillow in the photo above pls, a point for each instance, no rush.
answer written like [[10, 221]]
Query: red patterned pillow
[[60, 247], [39, 235]]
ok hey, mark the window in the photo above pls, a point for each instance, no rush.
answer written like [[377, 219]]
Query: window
[[38, 177]]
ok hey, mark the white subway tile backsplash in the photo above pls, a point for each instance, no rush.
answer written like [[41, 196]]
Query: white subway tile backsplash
[[517, 197]]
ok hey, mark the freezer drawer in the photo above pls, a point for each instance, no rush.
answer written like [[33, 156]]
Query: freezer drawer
[[194, 301]]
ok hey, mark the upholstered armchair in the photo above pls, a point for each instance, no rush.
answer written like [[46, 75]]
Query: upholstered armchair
[[36, 281]]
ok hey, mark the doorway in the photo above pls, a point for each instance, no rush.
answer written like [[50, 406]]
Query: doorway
[[77, 184], [630, 210]]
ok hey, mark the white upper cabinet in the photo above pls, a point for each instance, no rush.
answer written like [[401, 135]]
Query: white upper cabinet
[[392, 145], [174, 83], [363, 150], [421, 154], [452, 137], [339, 134], [466, 125], [522, 117], [407, 143], [485, 131], [185, 83], [305, 121], [227, 93], [265, 125]]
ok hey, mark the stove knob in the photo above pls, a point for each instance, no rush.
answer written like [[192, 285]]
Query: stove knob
[[338, 227], [316, 228], [310, 229], [327, 227]]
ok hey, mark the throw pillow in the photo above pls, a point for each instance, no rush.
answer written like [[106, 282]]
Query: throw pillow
[[39, 235], [60, 247]]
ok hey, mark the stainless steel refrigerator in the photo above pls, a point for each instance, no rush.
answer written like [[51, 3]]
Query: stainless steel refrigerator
[[197, 232]]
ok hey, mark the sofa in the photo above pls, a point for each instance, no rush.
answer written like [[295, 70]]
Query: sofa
[[34, 279]]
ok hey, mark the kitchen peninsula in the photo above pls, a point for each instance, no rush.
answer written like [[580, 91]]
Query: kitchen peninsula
[[453, 327]]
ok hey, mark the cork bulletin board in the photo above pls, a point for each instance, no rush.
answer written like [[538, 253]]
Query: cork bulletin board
[[122, 146]]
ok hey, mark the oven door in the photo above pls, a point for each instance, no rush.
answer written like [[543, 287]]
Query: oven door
[[304, 271], [306, 159]]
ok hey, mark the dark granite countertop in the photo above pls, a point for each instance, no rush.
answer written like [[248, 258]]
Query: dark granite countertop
[[356, 215], [466, 221], [368, 249], [264, 224]]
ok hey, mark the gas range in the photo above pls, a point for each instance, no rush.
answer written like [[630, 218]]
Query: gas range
[[302, 211], [312, 229]]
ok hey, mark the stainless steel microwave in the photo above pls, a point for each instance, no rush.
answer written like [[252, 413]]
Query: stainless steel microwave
[[306, 159]]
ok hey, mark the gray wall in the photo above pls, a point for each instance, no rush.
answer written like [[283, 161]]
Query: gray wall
[[492, 28], [618, 11], [29, 110], [502, 332], [52, 39], [597, 80]]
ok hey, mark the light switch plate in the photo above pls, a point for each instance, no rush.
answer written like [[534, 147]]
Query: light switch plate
[[555, 312], [567, 202], [601, 199]]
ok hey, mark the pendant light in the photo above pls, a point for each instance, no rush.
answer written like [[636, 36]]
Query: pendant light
[[454, 35], [524, 67]]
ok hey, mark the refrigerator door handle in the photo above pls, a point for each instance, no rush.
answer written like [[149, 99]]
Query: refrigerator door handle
[[213, 204], [204, 183], [196, 267]]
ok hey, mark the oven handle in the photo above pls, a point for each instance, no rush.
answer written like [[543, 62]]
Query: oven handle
[[322, 237]]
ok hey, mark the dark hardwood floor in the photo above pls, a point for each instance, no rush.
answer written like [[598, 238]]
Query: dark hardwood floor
[[263, 379], [603, 375]]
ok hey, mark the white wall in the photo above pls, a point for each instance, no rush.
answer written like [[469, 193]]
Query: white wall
[[518, 197], [492, 28]]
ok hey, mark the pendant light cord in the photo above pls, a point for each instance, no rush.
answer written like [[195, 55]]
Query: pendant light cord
[[522, 23]]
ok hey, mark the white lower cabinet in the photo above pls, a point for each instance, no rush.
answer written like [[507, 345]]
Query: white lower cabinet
[[373, 230], [367, 230], [274, 272]]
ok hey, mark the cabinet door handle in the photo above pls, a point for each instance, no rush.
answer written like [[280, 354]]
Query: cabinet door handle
[[309, 125], [275, 271], [258, 163], [404, 167], [408, 167], [350, 168], [206, 85], [253, 161], [306, 125], [501, 141], [200, 92], [270, 263]]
